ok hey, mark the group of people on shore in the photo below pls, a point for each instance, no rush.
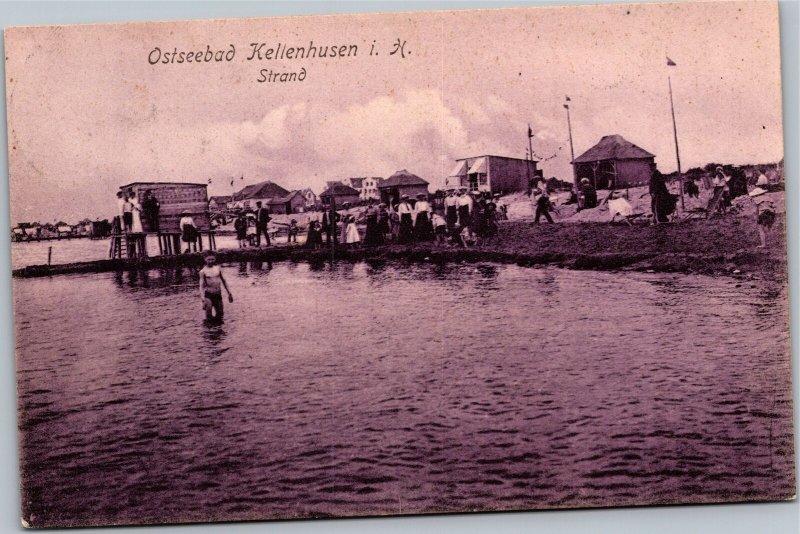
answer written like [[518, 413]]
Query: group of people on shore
[[250, 226], [464, 220]]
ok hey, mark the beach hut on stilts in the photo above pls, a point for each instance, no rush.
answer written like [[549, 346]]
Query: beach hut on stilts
[[161, 206]]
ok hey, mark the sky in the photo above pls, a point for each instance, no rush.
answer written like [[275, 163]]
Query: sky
[[88, 112]]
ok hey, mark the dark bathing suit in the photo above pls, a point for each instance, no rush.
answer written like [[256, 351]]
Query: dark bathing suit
[[216, 303]]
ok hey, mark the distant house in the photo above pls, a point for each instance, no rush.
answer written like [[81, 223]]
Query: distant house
[[47, 230], [401, 183], [367, 186], [83, 228], [498, 174], [615, 163], [310, 196], [340, 193], [100, 229], [294, 202], [356, 183], [262, 191], [220, 202], [19, 234]]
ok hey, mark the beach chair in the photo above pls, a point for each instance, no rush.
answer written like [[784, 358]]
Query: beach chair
[[693, 214], [620, 207], [715, 202]]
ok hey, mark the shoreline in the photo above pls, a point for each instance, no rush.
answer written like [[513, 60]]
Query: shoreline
[[725, 246]]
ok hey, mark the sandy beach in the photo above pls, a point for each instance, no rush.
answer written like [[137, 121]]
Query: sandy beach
[[723, 245]]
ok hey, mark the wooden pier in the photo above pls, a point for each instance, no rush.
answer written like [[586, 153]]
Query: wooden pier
[[134, 246]]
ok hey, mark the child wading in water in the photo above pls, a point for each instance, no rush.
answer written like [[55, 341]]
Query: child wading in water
[[211, 283]]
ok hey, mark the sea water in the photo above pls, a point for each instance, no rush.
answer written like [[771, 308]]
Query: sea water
[[357, 389]]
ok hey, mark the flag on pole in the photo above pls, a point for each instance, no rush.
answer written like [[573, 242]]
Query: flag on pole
[[670, 63], [231, 182], [566, 106], [241, 177], [568, 98], [530, 132]]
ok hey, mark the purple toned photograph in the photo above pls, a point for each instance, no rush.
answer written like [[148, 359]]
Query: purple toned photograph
[[402, 263]]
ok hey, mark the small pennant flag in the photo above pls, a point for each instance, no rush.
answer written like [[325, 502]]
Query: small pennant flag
[[209, 180], [241, 177], [231, 181], [530, 132], [566, 106], [568, 98], [670, 63]]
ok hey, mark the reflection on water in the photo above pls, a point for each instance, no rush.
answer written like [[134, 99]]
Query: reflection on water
[[351, 389]]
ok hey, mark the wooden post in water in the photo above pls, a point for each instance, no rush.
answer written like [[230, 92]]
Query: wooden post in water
[[332, 225]]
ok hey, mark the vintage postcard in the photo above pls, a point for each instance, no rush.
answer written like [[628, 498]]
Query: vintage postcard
[[407, 263]]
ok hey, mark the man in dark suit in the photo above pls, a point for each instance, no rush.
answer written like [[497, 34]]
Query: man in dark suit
[[152, 208], [262, 220]]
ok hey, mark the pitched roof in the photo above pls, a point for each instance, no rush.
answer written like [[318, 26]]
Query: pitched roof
[[265, 189], [402, 178], [223, 199], [613, 147], [285, 198], [339, 190]]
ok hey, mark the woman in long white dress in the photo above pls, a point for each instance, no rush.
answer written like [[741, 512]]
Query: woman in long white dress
[[136, 211]]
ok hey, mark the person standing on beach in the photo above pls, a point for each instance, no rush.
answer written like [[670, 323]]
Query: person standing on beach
[[151, 208], [406, 232], [262, 224], [464, 204], [373, 235], [543, 206], [343, 234], [765, 209], [325, 227], [662, 203], [720, 199], [351, 235], [423, 229], [384, 223], [136, 214], [451, 209], [490, 217], [240, 225], [189, 232], [588, 195], [292, 231], [439, 228], [211, 283], [121, 209], [127, 213], [314, 238]]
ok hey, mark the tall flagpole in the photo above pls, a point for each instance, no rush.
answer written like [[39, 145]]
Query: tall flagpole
[[528, 172], [530, 148], [572, 150], [675, 132]]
